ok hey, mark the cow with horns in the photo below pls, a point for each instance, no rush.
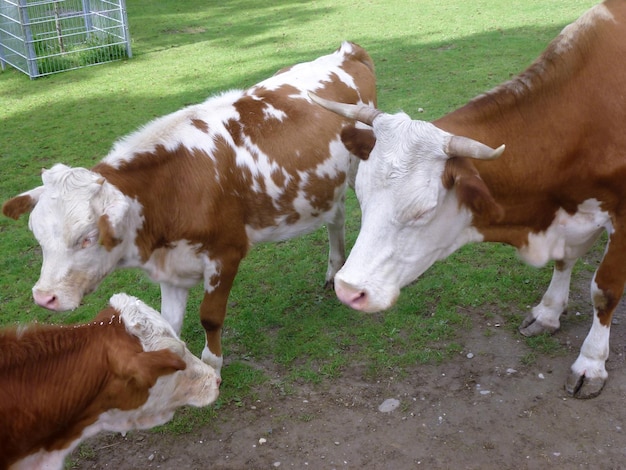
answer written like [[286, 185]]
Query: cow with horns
[[185, 197], [426, 189]]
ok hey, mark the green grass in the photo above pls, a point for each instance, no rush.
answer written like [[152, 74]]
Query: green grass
[[433, 55]]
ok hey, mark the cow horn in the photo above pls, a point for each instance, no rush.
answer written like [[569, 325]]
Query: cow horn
[[360, 112], [465, 147]]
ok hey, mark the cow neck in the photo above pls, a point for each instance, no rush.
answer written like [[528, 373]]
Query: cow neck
[[543, 116], [28, 352]]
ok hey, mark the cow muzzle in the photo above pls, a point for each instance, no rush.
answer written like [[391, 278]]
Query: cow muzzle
[[362, 299], [53, 301]]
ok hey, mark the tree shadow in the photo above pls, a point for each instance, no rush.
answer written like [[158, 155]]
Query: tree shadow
[[411, 73], [174, 23]]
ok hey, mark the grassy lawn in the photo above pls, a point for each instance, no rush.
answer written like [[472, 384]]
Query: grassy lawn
[[431, 55]]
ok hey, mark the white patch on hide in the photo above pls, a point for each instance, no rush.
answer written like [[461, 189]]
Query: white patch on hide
[[179, 264], [177, 129], [210, 358], [567, 232], [309, 76]]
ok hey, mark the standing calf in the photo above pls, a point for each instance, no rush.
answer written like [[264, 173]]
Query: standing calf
[[185, 197]]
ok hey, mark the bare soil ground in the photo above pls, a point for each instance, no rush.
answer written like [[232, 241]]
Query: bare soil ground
[[488, 408]]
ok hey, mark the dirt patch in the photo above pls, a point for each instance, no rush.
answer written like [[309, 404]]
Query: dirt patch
[[486, 408]]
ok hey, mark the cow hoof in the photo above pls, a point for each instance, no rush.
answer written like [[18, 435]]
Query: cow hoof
[[532, 327], [330, 284], [580, 386]]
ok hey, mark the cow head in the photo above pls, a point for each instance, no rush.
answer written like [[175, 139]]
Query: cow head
[[83, 225], [195, 383], [418, 194]]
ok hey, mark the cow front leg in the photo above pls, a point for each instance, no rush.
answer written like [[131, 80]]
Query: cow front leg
[[544, 317], [173, 305], [217, 285], [588, 373], [336, 243]]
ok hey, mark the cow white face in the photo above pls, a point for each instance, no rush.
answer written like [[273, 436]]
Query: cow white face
[[411, 213], [409, 219], [196, 385], [81, 223]]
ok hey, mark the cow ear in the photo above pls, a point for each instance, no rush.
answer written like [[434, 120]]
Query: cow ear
[[148, 366], [23, 203], [138, 372], [471, 190], [114, 207], [359, 142]]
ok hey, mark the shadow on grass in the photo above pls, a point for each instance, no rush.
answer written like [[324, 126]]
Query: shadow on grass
[[172, 23], [435, 76], [409, 74]]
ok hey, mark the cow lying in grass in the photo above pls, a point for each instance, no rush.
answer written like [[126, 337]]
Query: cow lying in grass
[[62, 384]]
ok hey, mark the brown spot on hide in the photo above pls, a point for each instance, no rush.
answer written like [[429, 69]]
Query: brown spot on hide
[[278, 178], [320, 190], [107, 235], [181, 198], [201, 125]]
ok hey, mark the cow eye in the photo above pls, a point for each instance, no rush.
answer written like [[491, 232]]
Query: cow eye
[[88, 240], [414, 215]]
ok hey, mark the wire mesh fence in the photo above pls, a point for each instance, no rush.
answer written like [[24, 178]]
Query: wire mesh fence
[[41, 37]]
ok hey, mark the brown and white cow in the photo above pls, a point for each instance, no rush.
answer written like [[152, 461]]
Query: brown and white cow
[[429, 188], [62, 384], [185, 197]]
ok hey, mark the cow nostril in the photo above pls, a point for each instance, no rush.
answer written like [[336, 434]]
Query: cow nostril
[[351, 296], [48, 301], [360, 298]]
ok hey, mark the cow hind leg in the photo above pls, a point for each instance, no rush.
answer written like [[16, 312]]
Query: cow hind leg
[[336, 242], [588, 373]]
